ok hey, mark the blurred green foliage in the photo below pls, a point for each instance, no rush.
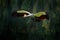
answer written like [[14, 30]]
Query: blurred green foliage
[[14, 28]]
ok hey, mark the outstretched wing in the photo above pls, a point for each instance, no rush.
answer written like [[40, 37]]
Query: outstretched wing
[[41, 16], [20, 13]]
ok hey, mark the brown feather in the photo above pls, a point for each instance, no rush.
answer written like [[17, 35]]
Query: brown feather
[[42, 17]]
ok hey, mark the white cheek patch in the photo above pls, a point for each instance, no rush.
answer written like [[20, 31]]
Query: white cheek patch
[[25, 15]]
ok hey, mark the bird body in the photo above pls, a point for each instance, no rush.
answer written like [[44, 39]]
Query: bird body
[[38, 16]]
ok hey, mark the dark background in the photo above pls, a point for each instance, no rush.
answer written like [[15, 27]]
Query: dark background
[[16, 28]]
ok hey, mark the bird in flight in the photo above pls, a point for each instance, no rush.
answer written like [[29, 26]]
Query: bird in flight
[[38, 16]]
